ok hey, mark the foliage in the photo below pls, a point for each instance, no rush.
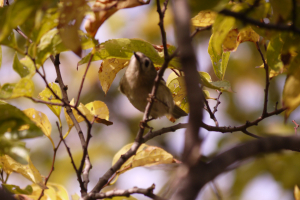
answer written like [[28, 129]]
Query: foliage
[[38, 31]]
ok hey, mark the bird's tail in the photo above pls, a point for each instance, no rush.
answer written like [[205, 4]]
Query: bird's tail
[[177, 112]]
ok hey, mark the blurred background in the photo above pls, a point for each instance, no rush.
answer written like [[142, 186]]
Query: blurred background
[[266, 177]]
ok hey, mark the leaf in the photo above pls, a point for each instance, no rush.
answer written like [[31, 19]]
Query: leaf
[[291, 92], [204, 18], [22, 70], [29, 65], [108, 70], [9, 165], [145, 156], [11, 119], [24, 88], [221, 28], [104, 9], [274, 54], [296, 193], [234, 38], [97, 109], [219, 61], [46, 95], [10, 40], [75, 196], [1, 3], [123, 49], [14, 189], [41, 120], [70, 18]]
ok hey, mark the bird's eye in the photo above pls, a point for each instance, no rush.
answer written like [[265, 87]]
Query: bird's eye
[[147, 63]]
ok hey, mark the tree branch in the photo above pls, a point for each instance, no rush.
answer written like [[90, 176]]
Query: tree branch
[[147, 192]]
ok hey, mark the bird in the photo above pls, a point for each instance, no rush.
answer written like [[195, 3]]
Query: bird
[[137, 83]]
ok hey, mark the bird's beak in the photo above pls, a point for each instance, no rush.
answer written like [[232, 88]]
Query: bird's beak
[[136, 56]]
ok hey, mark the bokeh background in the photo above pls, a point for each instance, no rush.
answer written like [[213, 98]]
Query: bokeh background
[[266, 177]]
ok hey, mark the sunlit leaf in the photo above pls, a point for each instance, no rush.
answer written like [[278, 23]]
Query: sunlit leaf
[[14, 189], [108, 70], [204, 18], [24, 88], [1, 3], [291, 92], [29, 171], [54, 191], [11, 119], [219, 61], [104, 9], [123, 49], [145, 156], [41, 120], [47, 95], [75, 196], [95, 109]]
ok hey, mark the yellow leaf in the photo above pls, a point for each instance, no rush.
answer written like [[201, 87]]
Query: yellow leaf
[[97, 109], [1, 3], [296, 193], [75, 196], [46, 95], [9, 165], [204, 18], [145, 156], [104, 9], [24, 87], [234, 38], [41, 120], [108, 70]]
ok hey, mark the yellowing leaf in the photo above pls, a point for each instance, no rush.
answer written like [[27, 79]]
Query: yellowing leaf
[[75, 196], [9, 165], [145, 156], [108, 70], [41, 120], [97, 109], [46, 95], [204, 18], [1, 3], [234, 38], [104, 9], [296, 193], [291, 92]]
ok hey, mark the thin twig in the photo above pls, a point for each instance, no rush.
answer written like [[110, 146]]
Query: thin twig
[[216, 190], [296, 126], [242, 17], [45, 102], [72, 160], [211, 114], [218, 103], [251, 134], [266, 67], [52, 167], [83, 78]]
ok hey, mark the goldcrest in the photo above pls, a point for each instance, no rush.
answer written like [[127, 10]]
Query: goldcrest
[[137, 84]]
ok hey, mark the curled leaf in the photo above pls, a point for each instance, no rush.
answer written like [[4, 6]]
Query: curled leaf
[[204, 18]]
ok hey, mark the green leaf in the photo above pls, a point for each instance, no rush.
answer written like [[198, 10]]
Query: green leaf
[[46, 95], [28, 63], [274, 53], [11, 120], [24, 88], [22, 70], [221, 28], [291, 92], [217, 85], [14, 148], [124, 48], [219, 61], [14, 189], [10, 40]]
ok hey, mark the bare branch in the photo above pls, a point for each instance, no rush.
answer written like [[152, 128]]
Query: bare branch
[[266, 67], [218, 103], [296, 126], [113, 193], [211, 114]]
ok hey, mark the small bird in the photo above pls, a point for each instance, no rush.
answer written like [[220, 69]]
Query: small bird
[[137, 84]]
